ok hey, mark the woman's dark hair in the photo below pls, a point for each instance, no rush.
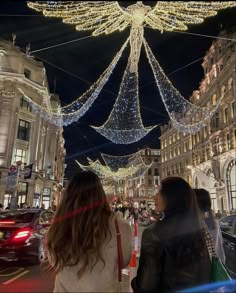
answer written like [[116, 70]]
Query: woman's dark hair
[[81, 224], [204, 203], [187, 243]]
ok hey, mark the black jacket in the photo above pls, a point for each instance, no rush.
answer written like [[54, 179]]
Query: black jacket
[[158, 271]]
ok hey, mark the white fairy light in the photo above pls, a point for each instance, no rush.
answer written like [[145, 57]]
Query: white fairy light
[[72, 112], [117, 167], [185, 116], [124, 125]]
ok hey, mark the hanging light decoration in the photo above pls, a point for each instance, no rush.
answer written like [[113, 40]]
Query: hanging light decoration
[[185, 116], [124, 124], [117, 167], [72, 112], [106, 17]]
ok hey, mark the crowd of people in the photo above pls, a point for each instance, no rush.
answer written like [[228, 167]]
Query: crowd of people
[[25, 205], [82, 241]]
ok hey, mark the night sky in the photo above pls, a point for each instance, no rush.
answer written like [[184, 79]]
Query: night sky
[[88, 58]]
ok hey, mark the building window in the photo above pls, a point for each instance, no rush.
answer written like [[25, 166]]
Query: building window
[[149, 171], [215, 120], [149, 182], [179, 150], [185, 146], [25, 105], [27, 73], [216, 146], [214, 100], [222, 91], [20, 155], [23, 130], [233, 109], [226, 114], [231, 185], [156, 172], [22, 194], [228, 141], [230, 83]]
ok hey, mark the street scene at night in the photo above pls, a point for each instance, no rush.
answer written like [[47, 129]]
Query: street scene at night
[[118, 146]]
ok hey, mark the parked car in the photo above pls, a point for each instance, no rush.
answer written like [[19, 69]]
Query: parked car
[[22, 234], [228, 228]]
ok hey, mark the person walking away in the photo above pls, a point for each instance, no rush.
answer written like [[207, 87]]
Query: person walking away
[[82, 240], [204, 203], [218, 214], [174, 254]]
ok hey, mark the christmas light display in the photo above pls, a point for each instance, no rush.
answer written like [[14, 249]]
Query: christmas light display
[[124, 125], [117, 167], [72, 112], [185, 117]]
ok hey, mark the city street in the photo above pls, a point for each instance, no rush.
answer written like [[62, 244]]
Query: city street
[[25, 278], [18, 277]]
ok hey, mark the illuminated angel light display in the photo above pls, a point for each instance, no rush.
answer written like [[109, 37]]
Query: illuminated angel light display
[[124, 124], [118, 167]]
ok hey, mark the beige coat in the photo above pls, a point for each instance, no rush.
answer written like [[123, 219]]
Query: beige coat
[[101, 278]]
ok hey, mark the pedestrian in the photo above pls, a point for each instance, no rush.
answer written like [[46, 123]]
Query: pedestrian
[[82, 240], [25, 205], [174, 254], [204, 203], [218, 214]]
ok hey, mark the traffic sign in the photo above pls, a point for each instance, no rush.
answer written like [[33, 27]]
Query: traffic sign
[[12, 169]]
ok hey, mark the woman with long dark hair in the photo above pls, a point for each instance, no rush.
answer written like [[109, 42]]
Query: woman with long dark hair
[[173, 255], [204, 203], [82, 240]]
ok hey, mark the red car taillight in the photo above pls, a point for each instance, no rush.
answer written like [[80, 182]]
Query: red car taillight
[[21, 235]]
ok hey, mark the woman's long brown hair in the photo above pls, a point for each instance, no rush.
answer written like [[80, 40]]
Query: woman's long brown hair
[[81, 225]]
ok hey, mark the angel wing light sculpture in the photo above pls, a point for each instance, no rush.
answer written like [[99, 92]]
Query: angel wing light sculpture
[[106, 17], [118, 167]]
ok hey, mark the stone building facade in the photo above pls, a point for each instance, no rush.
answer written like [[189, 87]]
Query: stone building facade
[[207, 159], [145, 185], [26, 137]]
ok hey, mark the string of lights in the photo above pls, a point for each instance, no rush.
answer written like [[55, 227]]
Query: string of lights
[[185, 116], [72, 112], [105, 17], [124, 124], [117, 167]]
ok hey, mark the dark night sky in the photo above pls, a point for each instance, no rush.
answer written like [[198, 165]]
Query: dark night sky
[[88, 58]]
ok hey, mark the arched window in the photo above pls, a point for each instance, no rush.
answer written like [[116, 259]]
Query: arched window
[[222, 90], [214, 98], [212, 189], [231, 183], [230, 83]]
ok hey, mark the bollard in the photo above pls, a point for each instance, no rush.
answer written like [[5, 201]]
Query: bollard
[[132, 220], [132, 269], [136, 237]]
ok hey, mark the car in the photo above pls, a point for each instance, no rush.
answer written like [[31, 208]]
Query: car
[[22, 234], [228, 229]]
